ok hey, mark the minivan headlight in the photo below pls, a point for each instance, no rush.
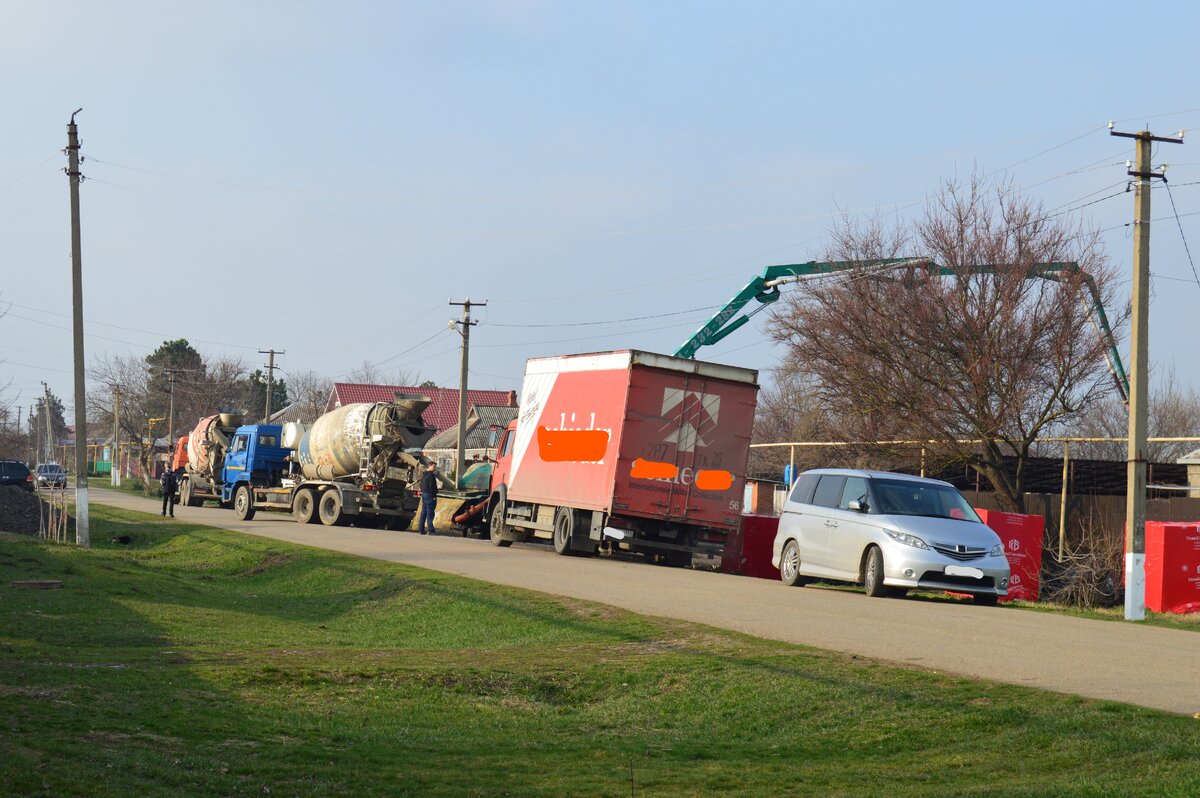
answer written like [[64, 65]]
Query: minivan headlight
[[906, 539], [998, 550]]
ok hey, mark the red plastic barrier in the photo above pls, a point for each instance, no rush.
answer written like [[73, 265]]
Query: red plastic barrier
[[1172, 567], [748, 548], [1022, 539]]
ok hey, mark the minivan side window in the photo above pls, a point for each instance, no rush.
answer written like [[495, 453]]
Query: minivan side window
[[829, 491], [803, 491], [855, 491]]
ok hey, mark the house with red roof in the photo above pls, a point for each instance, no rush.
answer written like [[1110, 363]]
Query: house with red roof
[[442, 413]]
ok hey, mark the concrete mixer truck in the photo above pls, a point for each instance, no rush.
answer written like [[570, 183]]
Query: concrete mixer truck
[[355, 464], [206, 446]]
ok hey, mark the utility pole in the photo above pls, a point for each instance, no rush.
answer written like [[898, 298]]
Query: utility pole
[[115, 472], [1135, 496], [465, 332], [82, 537], [170, 416], [49, 424], [270, 377]]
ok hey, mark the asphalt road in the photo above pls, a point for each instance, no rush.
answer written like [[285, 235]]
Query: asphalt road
[[1132, 663]]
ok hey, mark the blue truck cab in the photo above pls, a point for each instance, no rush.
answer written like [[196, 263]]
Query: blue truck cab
[[255, 458]]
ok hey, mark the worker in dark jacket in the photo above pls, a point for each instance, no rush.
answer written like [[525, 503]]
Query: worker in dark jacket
[[169, 484], [429, 489]]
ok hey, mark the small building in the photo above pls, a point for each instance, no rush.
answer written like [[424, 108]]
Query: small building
[[443, 447], [1192, 461]]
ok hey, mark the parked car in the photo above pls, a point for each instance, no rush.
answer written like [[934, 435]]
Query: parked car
[[16, 473], [889, 532], [50, 475]]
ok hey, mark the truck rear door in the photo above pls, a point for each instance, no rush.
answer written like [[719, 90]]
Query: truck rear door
[[685, 446]]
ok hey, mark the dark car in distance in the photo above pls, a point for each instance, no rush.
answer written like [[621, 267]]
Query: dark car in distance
[[16, 473]]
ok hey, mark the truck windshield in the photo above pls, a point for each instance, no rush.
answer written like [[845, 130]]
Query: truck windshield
[[909, 497]]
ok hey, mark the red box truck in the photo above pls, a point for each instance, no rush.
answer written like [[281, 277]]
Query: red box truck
[[625, 450]]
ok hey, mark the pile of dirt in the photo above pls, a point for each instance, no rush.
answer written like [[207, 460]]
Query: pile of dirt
[[20, 511]]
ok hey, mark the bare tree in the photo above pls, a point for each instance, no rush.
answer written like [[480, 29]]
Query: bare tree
[[310, 394], [370, 373], [201, 389], [1173, 412], [981, 360]]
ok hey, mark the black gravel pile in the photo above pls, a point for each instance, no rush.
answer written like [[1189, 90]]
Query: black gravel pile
[[20, 511]]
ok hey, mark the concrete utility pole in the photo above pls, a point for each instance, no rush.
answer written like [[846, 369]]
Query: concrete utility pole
[[115, 472], [1135, 496], [82, 537], [48, 423], [171, 416], [465, 332], [270, 377]]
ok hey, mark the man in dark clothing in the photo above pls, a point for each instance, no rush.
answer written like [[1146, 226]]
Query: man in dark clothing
[[429, 488], [169, 484]]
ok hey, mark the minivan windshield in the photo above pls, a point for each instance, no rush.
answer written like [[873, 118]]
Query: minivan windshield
[[909, 497], [50, 469]]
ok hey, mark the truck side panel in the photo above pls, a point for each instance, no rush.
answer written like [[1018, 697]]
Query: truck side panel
[[569, 431]]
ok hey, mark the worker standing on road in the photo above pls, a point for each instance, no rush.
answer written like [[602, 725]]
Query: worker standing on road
[[169, 484], [428, 499]]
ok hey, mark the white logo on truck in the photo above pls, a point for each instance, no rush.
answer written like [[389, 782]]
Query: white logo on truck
[[688, 417]]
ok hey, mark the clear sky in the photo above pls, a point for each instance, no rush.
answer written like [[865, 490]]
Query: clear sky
[[322, 178]]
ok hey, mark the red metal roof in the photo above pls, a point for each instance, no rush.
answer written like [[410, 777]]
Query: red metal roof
[[441, 414]]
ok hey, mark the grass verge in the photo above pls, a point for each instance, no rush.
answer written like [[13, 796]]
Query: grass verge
[[203, 662]]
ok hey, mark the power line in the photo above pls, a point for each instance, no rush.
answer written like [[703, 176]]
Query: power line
[[31, 171], [1186, 249], [119, 327], [610, 321], [94, 159]]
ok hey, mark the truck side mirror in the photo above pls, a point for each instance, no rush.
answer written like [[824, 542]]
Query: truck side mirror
[[493, 436]]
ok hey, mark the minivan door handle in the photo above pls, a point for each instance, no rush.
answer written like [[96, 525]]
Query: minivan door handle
[[830, 522]]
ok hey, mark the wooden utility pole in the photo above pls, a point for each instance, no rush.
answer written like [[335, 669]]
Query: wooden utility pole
[[115, 473], [466, 324], [1135, 496], [271, 353], [82, 537]]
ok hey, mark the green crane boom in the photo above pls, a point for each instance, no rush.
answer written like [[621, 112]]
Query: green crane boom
[[764, 289]]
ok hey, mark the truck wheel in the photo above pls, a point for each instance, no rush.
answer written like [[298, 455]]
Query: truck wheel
[[331, 509], [243, 506], [185, 493], [496, 525], [564, 527], [304, 507]]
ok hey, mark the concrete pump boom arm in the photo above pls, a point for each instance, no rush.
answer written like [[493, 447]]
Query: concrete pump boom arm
[[765, 290]]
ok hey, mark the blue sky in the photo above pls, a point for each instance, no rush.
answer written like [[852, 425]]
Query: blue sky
[[322, 178]]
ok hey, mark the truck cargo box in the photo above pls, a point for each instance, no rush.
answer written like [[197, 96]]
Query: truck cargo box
[[635, 434]]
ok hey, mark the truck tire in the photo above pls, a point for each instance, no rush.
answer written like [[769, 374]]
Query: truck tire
[[564, 528], [185, 494], [330, 509], [243, 504], [496, 528], [304, 507]]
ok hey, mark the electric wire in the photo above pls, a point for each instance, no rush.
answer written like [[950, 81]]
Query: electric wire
[[156, 333], [610, 321], [94, 159], [1186, 249], [7, 186], [37, 204]]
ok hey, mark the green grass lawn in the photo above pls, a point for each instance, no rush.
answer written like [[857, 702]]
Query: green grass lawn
[[195, 661]]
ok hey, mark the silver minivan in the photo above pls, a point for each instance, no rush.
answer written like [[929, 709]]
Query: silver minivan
[[890, 532]]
